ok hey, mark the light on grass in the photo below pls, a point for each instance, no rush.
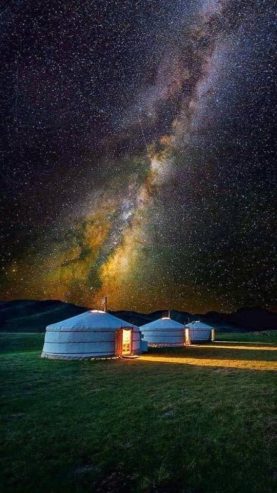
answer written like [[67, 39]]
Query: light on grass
[[239, 364], [256, 362]]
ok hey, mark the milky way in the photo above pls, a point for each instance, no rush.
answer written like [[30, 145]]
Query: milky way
[[138, 158]]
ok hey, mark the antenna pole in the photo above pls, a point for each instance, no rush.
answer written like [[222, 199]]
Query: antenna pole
[[105, 304]]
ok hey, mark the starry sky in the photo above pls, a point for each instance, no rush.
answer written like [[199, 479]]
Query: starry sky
[[137, 153]]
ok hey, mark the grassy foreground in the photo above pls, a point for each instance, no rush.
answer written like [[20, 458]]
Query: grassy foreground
[[263, 336], [195, 420]]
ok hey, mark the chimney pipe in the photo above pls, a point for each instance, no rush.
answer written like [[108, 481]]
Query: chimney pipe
[[105, 304]]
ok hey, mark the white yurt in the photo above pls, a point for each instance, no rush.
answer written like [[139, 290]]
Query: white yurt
[[199, 331], [164, 332], [92, 334]]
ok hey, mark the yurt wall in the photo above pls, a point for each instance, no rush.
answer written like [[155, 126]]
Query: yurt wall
[[89, 335], [164, 332], [199, 332]]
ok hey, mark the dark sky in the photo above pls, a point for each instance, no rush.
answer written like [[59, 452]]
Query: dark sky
[[137, 153]]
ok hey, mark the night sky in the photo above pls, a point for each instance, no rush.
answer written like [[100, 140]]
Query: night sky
[[137, 153]]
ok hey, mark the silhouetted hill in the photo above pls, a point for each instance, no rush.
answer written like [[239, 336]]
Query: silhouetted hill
[[254, 318], [34, 316], [246, 318], [144, 318]]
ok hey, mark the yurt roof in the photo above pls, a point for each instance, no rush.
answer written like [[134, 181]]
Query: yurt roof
[[92, 319], [163, 323], [196, 324]]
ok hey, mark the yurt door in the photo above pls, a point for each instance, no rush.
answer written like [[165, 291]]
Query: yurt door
[[123, 342], [126, 342], [187, 337]]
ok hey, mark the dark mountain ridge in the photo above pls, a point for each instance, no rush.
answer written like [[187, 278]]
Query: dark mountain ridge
[[34, 316]]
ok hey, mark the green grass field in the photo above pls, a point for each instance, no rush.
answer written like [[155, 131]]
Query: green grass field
[[265, 336], [192, 420]]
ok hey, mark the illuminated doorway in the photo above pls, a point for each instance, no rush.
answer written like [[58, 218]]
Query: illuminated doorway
[[123, 342], [187, 338]]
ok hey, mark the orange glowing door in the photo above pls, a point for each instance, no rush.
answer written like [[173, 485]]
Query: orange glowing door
[[126, 342], [187, 337], [123, 342]]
